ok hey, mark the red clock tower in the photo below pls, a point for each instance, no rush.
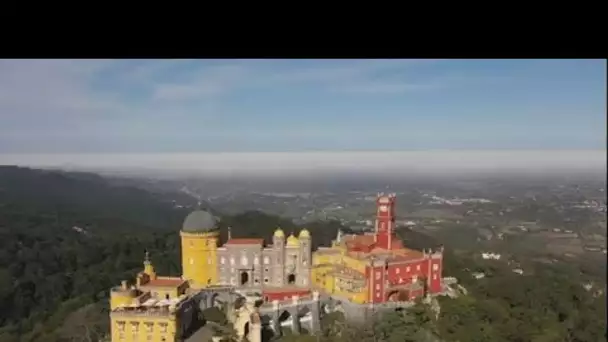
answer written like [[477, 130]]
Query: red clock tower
[[385, 221]]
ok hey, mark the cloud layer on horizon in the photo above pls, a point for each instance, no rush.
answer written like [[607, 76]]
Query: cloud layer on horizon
[[437, 162]]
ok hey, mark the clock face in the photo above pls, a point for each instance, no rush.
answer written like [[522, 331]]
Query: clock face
[[383, 208]]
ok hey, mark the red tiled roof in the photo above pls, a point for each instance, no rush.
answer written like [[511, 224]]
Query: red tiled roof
[[245, 242], [165, 282]]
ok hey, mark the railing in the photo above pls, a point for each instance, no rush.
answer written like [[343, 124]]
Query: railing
[[160, 313]]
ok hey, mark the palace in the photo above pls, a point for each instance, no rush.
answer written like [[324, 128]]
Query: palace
[[377, 268], [359, 269]]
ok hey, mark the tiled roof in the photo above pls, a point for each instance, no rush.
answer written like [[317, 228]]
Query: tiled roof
[[164, 282]]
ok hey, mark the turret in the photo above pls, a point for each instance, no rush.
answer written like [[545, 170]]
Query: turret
[[199, 237], [278, 244], [305, 257], [293, 241], [148, 267]]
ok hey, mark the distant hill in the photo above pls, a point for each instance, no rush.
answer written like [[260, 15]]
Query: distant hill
[[81, 195]]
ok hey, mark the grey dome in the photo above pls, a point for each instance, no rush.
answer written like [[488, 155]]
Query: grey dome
[[199, 221]]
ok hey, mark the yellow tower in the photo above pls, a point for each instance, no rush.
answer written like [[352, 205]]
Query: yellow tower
[[199, 249], [148, 267]]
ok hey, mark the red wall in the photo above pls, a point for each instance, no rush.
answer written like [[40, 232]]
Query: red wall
[[269, 296], [403, 273]]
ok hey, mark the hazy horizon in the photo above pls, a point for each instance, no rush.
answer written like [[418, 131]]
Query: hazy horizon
[[306, 163]]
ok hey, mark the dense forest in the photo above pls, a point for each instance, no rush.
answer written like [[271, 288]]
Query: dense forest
[[66, 238]]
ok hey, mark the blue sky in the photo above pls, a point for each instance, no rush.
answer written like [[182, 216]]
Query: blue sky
[[164, 106]]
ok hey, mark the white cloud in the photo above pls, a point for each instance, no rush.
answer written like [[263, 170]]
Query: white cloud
[[46, 102]]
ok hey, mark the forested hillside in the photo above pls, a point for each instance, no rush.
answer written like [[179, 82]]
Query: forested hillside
[[65, 238]]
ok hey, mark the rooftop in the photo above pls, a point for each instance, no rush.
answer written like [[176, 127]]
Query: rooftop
[[151, 306], [164, 282], [397, 255], [346, 272], [245, 242]]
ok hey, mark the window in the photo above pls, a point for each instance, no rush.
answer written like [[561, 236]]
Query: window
[[135, 327], [191, 261], [121, 326], [266, 260], [265, 280], [256, 261], [223, 260], [407, 269], [435, 267], [244, 261], [232, 261], [378, 274], [149, 338], [149, 327], [163, 328], [209, 261], [256, 280], [397, 271], [434, 277], [191, 244], [417, 267], [377, 286]]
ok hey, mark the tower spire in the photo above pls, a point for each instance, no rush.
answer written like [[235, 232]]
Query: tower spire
[[148, 267]]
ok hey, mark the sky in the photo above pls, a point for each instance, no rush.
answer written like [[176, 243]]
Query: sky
[[195, 106]]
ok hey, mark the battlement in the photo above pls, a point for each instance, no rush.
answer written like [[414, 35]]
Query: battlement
[[148, 306]]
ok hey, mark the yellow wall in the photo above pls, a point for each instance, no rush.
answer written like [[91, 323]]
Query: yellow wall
[[118, 298], [199, 258], [128, 334], [324, 278], [355, 264]]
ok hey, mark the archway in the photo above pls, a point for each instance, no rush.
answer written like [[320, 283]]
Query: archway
[[285, 315], [214, 302], [291, 279], [304, 311], [246, 329], [397, 296], [244, 278]]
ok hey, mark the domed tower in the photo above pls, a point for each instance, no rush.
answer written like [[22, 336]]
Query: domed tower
[[305, 257], [278, 246], [199, 237]]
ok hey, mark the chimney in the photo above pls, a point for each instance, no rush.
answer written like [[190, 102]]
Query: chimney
[[123, 285]]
